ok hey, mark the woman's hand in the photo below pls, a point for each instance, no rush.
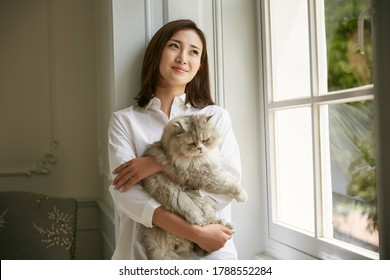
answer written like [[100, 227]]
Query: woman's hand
[[210, 237], [133, 171], [213, 237]]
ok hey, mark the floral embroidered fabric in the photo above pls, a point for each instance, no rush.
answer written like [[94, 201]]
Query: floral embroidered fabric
[[36, 226]]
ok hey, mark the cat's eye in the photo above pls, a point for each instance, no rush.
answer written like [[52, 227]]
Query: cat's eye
[[206, 140], [191, 144]]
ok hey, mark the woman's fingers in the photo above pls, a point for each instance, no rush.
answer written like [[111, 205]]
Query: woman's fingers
[[120, 168], [126, 182], [228, 231], [124, 177], [213, 237], [134, 171]]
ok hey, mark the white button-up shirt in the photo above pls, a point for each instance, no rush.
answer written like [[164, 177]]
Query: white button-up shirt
[[130, 131]]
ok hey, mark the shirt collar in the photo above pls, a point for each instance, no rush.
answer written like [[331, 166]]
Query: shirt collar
[[181, 100], [156, 103], [153, 103]]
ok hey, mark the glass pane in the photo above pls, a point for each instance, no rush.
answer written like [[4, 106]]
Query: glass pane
[[289, 49], [294, 168], [352, 170], [347, 66]]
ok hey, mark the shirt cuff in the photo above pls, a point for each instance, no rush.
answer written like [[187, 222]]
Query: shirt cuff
[[221, 200], [147, 213]]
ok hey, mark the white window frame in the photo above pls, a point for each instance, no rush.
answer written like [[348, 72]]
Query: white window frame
[[280, 241]]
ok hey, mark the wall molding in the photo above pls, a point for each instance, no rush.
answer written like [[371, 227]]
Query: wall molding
[[43, 166], [44, 163], [148, 21], [95, 237], [218, 53]]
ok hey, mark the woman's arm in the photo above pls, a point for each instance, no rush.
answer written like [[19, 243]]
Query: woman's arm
[[122, 147], [210, 237], [133, 171]]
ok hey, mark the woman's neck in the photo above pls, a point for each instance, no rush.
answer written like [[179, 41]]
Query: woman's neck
[[166, 96]]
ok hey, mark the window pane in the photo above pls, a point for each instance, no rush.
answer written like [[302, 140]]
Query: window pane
[[352, 170], [342, 206], [347, 66], [294, 168], [290, 60]]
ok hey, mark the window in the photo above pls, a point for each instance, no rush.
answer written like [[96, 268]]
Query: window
[[319, 127]]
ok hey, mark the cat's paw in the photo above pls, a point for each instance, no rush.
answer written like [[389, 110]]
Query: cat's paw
[[229, 226], [195, 217], [222, 222], [241, 196]]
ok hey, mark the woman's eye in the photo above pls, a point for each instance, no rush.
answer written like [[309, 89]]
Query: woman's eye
[[195, 52], [174, 45]]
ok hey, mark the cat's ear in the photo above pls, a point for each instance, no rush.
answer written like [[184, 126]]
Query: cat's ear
[[208, 118], [179, 126]]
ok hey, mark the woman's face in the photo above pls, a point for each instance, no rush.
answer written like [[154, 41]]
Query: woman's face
[[180, 59]]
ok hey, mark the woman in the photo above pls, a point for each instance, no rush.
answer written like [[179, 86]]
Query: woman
[[174, 81]]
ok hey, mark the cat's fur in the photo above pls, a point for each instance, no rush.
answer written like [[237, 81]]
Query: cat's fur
[[189, 151]]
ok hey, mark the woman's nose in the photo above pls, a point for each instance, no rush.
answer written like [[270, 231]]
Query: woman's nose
[[181, 58]]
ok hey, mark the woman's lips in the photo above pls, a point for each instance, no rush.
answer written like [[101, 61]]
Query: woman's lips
[[179, 69]]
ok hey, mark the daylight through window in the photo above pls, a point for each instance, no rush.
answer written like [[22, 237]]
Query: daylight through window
[[319, 124]]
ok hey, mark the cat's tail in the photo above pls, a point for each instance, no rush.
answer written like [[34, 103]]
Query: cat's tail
[[160, 245]]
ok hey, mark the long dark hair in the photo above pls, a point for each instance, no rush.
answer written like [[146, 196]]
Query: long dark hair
[[197, 90]]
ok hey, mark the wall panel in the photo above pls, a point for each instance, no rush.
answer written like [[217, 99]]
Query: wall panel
[[27, 108], [48, 93]]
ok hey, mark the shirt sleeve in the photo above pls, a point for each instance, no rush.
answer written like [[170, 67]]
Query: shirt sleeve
[[229, 150], [135, 203]]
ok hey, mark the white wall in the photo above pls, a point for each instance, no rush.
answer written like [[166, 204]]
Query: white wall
[[241, 77]]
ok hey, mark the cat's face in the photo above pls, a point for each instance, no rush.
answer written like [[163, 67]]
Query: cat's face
[[190, 136]]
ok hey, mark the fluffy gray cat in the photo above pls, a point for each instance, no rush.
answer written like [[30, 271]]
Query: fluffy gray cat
[[189, 151]]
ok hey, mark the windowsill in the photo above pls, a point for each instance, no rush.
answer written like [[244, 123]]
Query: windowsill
[[264, 256]]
